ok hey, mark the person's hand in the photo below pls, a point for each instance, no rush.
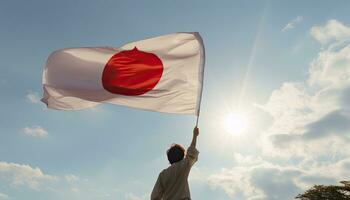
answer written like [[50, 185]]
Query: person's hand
[[195, 131]]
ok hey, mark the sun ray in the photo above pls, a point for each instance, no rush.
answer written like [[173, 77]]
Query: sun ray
[[252, 56]]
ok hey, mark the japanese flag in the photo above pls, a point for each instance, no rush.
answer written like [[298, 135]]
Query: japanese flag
[[163, 74]]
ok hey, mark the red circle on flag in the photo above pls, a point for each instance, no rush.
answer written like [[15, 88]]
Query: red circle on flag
[[132, 72]]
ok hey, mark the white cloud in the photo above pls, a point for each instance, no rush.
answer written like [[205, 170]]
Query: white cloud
[[71, 178], [331, 68], [292, 23], [73, 182], [236, 182], [19, 177], [36, 131], [33, 97], [289, 107], [315, 108], [3, 196], [18, 174], [252, 178], [197, 175], [332, 31], [311, 118], [257, 178]]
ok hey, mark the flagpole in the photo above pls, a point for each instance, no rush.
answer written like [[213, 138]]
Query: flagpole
[[199, 104], [202, 76], [197, 120]]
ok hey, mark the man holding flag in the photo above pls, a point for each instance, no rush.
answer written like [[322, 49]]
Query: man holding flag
[[163, 74], [172, 182]]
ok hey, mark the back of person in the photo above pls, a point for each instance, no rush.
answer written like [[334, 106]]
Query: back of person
[[172, 182]]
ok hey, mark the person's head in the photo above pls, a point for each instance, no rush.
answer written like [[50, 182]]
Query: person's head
[[175, 153]]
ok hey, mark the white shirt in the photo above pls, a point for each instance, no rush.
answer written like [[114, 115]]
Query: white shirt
[[172, 182]]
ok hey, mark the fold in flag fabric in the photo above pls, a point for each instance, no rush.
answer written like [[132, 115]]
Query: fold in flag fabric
[[163, 74]]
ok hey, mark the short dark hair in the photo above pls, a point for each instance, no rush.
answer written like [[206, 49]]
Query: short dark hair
[[175, 153]]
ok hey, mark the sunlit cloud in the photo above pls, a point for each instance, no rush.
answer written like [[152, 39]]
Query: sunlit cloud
[[311, 118], [71, 178], [256, 178], [332, 31], [35, 131], [19, 174], [315, 108], [252, 178], [292, 23]]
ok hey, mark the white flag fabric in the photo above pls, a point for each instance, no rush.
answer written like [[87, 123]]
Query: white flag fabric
[[163, 74]]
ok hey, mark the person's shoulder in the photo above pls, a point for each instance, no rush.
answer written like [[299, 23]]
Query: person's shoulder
[[163, 173], [164, 170], [167, 171]]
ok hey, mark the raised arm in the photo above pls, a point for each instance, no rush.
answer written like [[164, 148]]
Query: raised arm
[[195, 135], [192, 152]]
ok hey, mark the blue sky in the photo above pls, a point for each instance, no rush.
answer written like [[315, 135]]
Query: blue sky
[[284, 65]]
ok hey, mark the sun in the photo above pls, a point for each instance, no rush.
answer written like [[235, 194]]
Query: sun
[[236, 123]]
